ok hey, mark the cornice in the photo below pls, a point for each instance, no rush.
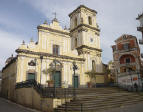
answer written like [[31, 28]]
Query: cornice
[[48, 54], [52, 30], [12, 61], [87, 47], [139, 16], [85, 25], [83, 6]]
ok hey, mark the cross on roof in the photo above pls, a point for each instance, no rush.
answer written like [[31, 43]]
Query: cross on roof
[[55, 14]]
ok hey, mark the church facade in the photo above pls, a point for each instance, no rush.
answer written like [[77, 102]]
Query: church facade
[[52, 57]]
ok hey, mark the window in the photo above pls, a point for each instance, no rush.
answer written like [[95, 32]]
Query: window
[[93, 65], [127, 60], [75, 42], [75, 22], [114, 48], [126, 46], [56, 49], [124, 70], [90, 20]]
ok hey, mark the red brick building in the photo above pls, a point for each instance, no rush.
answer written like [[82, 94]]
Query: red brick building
[[126, 54]]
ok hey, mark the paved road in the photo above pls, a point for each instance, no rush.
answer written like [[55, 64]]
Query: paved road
[[7, 106], [132, 108]]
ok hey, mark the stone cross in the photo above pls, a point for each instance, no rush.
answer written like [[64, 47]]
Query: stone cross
[[55, 14]]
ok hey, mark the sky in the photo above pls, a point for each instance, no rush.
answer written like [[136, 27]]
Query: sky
[[19, 20]]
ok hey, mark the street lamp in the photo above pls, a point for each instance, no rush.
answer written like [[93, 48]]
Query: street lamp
[[75, 67]]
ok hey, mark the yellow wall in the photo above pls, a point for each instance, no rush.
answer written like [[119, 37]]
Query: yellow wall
[[30, 98], [9, 81]]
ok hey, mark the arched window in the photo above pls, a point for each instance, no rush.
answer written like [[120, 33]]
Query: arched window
[[90, 20], [128, 58], [75, 42], [75, 22], [93, 65]]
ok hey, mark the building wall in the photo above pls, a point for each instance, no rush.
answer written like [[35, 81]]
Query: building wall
[[53, 33], [37, 58], [127, 72], [9, 80], [0, 81]]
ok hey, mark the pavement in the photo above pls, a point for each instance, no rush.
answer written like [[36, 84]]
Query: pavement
[[8, 106]]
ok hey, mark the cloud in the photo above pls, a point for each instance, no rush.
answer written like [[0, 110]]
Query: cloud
[[8, 22], [9, 42], [48, 7], [115, 17]]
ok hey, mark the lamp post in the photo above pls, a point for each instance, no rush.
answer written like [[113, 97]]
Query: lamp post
[[75, 67]]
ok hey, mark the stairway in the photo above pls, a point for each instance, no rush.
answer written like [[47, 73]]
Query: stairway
[[97, 99]]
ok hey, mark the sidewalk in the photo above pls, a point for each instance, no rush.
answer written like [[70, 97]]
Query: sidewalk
[[8, 106]]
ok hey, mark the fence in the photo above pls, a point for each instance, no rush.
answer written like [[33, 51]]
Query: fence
[[48, 92]]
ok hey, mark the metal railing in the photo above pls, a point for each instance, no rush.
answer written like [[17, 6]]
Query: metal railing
[[130, 88], [48, 92]]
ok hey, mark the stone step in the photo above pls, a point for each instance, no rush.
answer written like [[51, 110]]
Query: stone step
[[101, 103], [76, 104], [105, 97], [95, 109], [100, 99]]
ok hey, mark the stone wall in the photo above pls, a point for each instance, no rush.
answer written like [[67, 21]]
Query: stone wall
[[30, 98]]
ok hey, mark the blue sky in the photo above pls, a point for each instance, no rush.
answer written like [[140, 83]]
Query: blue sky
[[20, 18]]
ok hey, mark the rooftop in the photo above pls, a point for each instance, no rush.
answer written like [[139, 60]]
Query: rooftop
[[139, 16], [83, 6]]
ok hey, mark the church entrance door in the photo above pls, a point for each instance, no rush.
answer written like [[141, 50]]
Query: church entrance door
[[31, 76], [75, 81], [57, 79]]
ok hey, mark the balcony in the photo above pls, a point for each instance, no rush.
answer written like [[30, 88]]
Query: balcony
[[126, 50], [141, 41], [128, 64], [128, 73], [140, 28]]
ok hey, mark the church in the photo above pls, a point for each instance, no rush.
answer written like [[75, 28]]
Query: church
[[50, 60]]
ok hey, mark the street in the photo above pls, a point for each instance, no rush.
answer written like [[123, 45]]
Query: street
[[8, 106]]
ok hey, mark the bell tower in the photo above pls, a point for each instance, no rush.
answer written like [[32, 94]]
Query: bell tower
[[85, 35], [83, 28]]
